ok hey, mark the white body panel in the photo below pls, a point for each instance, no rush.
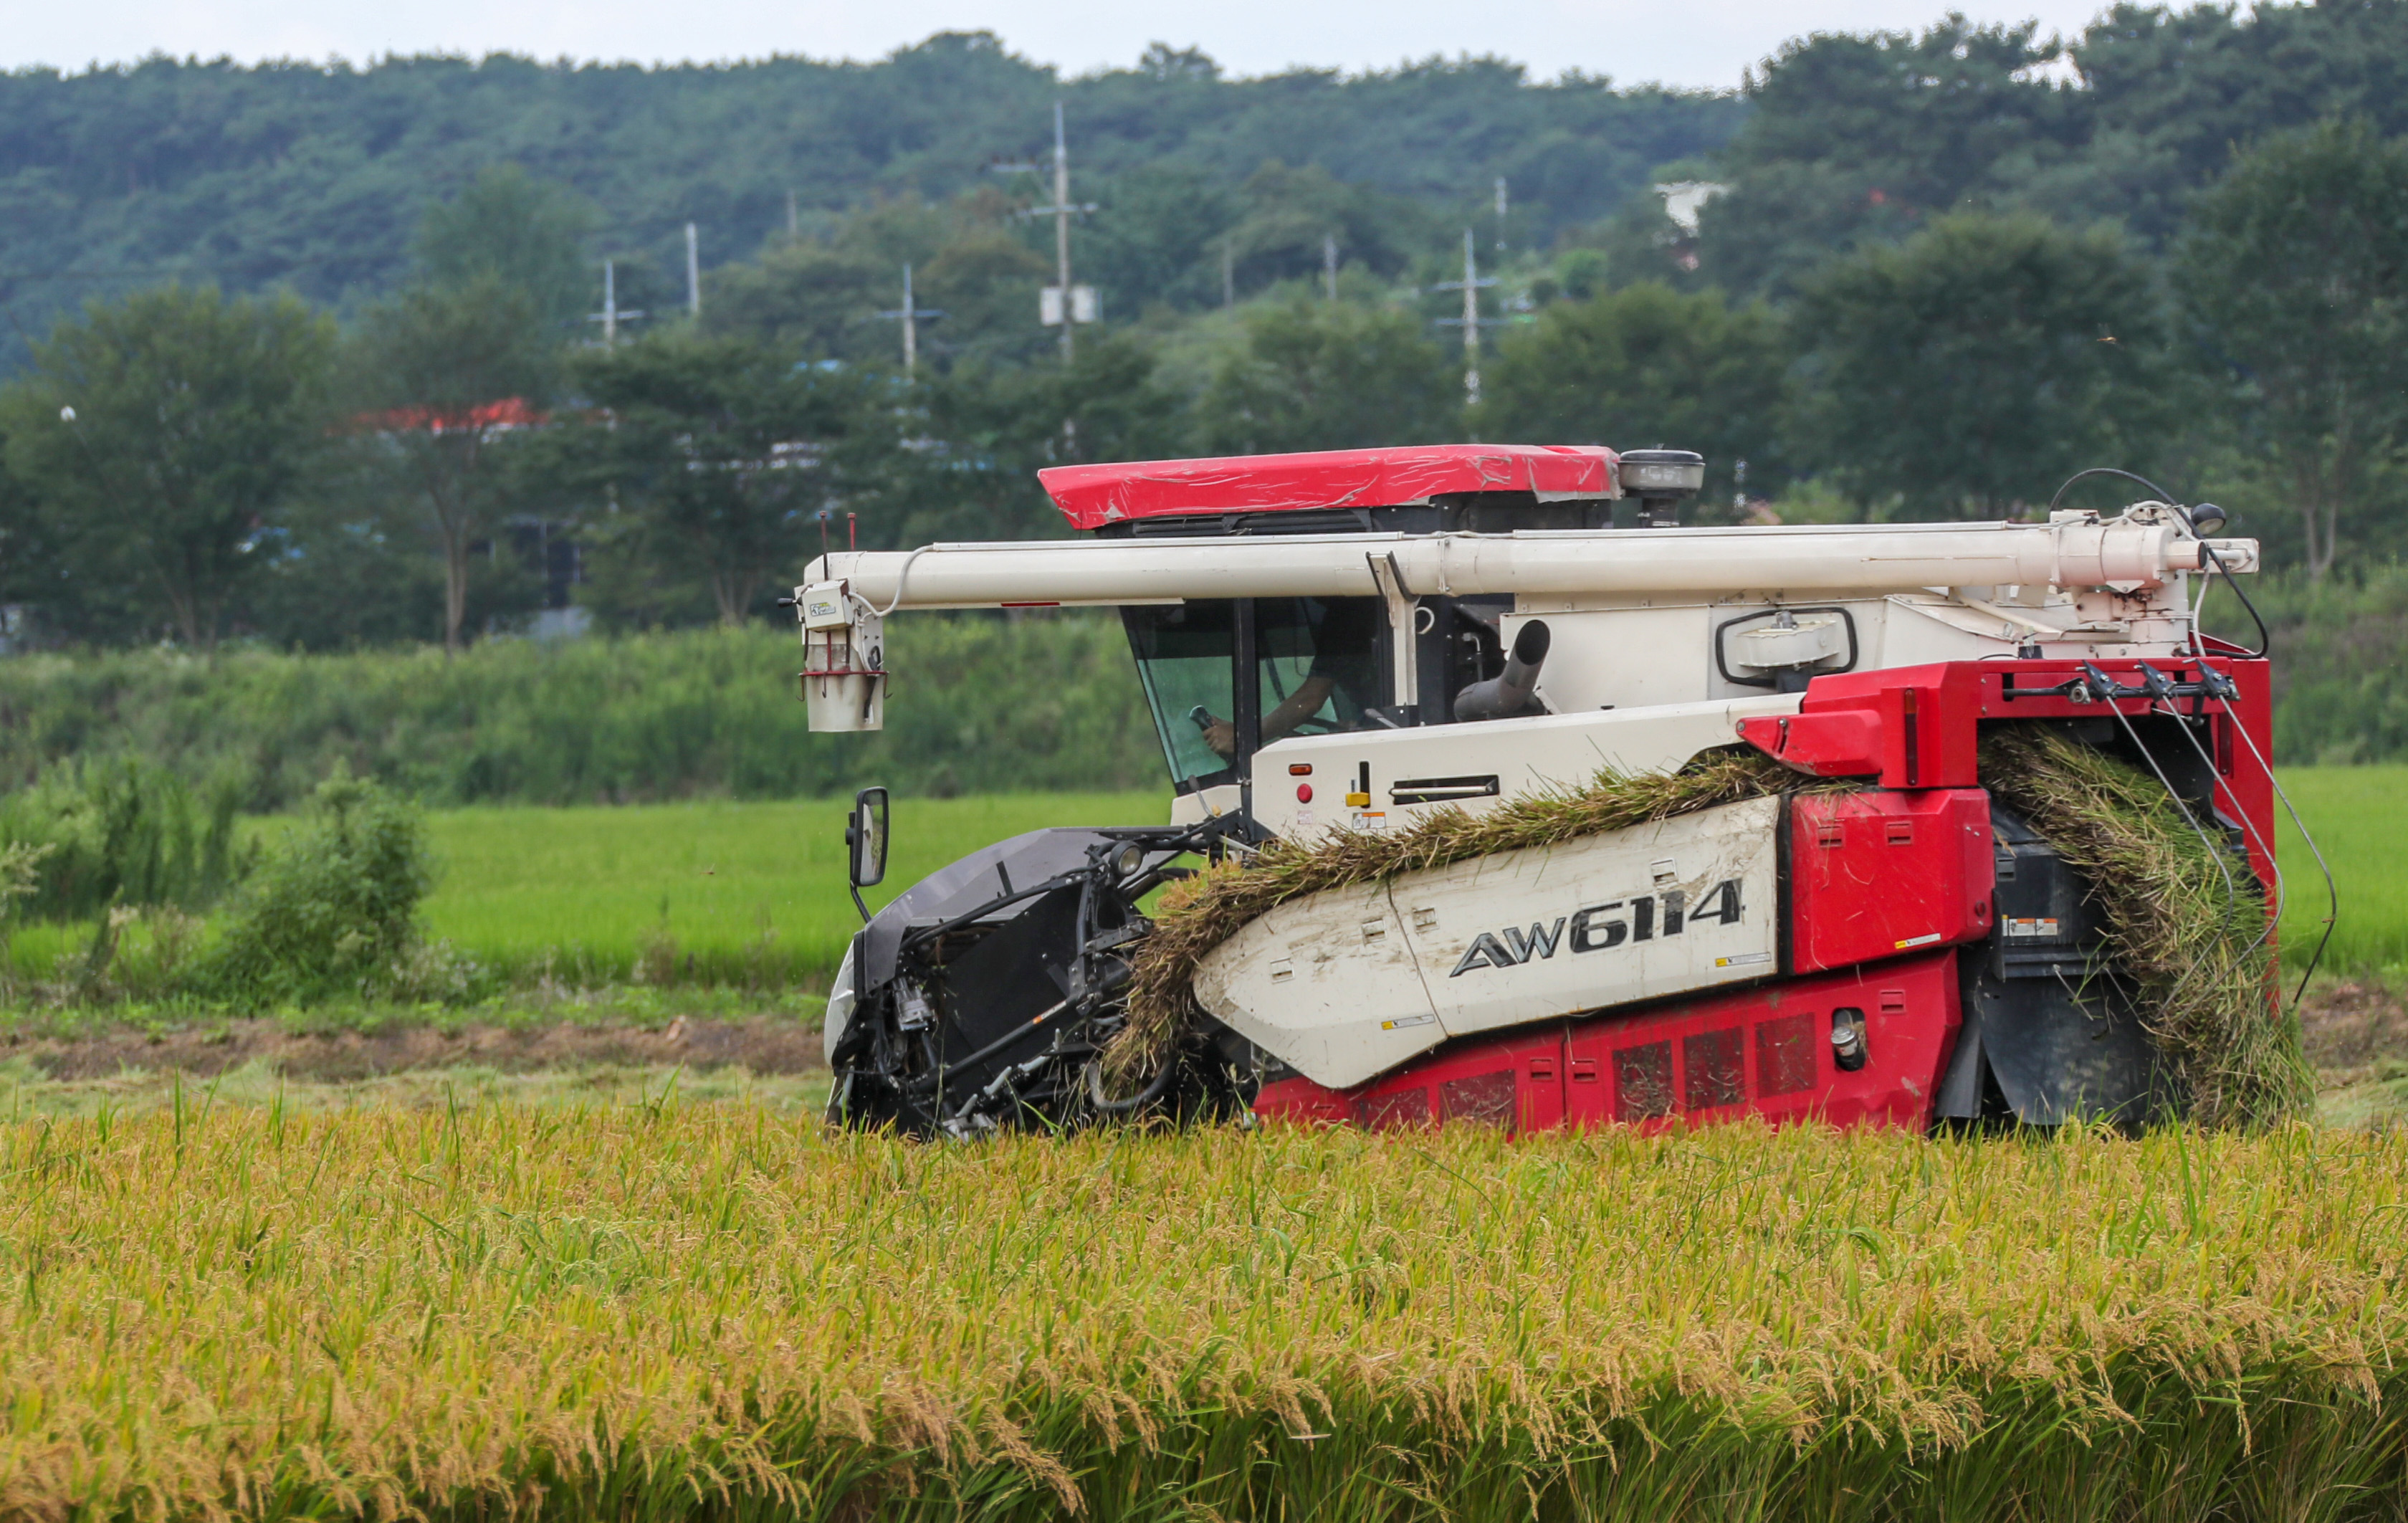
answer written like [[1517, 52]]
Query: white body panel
[[1344, 985], [1552, 754], [1326, 983]]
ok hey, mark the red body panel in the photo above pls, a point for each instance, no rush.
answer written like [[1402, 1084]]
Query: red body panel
[[1762, 1051], [1872, 875], [1092, 496], [1920, 727], [1913, 726], [1871, 880]]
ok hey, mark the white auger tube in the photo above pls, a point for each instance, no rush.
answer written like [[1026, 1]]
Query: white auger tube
[[2071, 553]]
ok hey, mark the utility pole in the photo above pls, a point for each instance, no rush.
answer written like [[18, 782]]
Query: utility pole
[[1470, 322], [1062, 227], [693, 272], [910, 314], [1501, 213], [1063, 303], [610, 316], [793, 218], [1329, 263]]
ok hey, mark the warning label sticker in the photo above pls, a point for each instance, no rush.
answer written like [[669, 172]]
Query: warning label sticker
[[2036, 928]]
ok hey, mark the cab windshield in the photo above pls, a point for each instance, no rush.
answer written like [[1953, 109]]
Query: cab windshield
[[1317, 669]]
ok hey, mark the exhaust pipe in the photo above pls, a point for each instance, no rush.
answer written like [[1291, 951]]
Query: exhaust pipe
[[1517, 689]]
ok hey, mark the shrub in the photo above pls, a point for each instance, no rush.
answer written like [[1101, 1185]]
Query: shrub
[[335, 912], [122, 832]]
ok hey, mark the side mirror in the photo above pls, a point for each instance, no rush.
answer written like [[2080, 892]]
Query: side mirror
[[865, 843]]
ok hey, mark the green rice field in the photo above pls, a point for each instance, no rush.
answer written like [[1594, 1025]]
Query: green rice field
[[741, 888], [753, 892], [723, 892], [2359, 817]]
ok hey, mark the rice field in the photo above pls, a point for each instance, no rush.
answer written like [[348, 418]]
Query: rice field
[[725, 892], [2359, 817], [656, 1311], [731, 885], [754, 894]]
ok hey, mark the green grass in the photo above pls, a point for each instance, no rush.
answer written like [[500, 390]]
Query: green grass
[[742, 889], [726, 892], [2359, 816]]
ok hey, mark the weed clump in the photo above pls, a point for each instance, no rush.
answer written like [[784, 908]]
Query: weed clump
[[333, 914], [122, 832]]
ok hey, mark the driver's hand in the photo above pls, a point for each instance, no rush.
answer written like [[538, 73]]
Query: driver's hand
[[1221, 737]]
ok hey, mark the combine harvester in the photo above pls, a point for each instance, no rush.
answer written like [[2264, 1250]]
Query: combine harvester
[[1338, 646]]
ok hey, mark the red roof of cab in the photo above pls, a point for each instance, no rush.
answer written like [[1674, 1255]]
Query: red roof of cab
[[1092, 496]]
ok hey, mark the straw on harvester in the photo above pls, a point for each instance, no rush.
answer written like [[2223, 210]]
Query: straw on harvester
[[2202, 956]]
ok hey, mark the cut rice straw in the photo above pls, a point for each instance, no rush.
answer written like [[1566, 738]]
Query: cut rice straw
[[2197, 952]]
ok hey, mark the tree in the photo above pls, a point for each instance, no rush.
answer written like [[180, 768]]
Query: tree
[[1645, 367], [721, 450], [2296, 269], [450, 376], [1319, 375], [162, 435], [979, 433], [518, 230], [1855, 139], [1976, 366]]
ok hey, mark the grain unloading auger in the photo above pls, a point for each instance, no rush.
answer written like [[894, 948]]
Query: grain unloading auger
[[1338, 647]]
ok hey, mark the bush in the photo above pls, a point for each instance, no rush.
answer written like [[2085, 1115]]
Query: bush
[[122, 832], [334, 913]]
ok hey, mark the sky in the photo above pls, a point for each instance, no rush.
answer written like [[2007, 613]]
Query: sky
[[1697, 43]]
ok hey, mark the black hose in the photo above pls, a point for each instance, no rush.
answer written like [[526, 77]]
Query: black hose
[[1142, 1097]]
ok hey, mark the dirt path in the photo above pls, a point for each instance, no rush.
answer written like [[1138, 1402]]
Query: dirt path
[[762, 1046]]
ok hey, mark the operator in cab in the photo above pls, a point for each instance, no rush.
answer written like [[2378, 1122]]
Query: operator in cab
[[1344, 674]]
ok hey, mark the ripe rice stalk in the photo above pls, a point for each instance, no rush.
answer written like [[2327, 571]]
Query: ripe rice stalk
[[2185, 918], [660, 1314]]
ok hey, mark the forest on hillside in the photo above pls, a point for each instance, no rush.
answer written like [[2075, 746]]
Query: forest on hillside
[[1897, 276], [314, 177]]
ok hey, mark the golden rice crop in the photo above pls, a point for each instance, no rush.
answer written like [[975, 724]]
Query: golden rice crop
[[655, 1314]]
